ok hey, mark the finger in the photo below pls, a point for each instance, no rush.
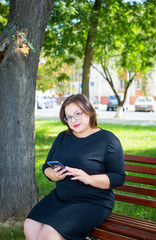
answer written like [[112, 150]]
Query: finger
[[70, 169], [62, 174], [63, 170], [57, 169], [75, 178]]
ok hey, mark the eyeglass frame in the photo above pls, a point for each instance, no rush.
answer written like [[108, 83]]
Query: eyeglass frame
[[71, 117]]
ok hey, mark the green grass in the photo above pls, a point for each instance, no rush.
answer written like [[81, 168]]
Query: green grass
[[11, 233], [136, 140]]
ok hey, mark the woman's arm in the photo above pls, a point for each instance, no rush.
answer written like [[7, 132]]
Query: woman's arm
[[48, 171], [55, 174], [115, 169], [100, 180]]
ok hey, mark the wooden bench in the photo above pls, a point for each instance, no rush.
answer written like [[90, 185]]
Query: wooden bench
[[119, 227]]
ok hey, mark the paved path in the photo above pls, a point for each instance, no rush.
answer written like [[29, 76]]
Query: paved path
[[128, 121], [129, 118]]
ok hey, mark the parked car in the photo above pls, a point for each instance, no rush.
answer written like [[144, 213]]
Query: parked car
[[145, 104], [46, 102], [95, 102], [113, 103]]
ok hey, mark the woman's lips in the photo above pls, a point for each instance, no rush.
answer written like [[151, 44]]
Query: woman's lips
[[76, 125]]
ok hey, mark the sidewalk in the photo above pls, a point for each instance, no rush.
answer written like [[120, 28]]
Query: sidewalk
[[128, 121], [129, 118]]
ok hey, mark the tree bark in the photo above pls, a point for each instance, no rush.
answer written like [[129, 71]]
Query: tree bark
[[18, 68], [89, 48]]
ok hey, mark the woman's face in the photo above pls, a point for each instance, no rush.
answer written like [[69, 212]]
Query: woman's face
[[80, 122]]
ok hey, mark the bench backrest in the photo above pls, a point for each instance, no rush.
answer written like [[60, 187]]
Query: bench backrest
[[136, 166]]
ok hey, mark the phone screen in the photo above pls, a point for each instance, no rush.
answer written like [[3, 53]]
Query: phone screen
[[54, 164]]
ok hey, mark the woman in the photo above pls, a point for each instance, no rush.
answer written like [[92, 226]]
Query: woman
[[83, 196]]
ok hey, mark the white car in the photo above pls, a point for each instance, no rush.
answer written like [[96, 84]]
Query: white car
[[145, 104], [46, 102]]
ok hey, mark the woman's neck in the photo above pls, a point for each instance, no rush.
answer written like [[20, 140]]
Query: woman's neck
[[86, 133]]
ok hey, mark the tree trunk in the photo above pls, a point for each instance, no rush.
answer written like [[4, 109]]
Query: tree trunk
[[18, 67], [119, 112], [89, 48]]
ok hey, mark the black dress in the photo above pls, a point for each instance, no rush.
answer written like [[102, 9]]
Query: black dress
[[73, 208]]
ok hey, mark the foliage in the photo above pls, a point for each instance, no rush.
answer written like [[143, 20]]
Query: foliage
[[52, 74], [66, 32], [71, 33], [126, 36], [126, 41], [4, 12]]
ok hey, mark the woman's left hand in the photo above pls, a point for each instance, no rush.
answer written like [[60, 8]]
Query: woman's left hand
[[78, 174]]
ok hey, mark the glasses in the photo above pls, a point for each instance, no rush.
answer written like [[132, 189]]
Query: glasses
[[77, 115]]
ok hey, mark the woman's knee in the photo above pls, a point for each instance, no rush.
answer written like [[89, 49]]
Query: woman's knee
[[49, 233], [32, 229], [27, 224]]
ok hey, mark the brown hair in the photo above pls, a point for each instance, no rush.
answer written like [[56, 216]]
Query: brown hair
[[83, 102]]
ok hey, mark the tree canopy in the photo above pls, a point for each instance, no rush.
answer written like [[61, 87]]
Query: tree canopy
[[4, 11], [125, 33]]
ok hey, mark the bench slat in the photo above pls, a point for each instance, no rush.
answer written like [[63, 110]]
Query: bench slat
[[135, 200], [144, 180], [140, 169], [138, 190], [105, 235], [135, 221], [128, 229], [130, 223], [140, 159]]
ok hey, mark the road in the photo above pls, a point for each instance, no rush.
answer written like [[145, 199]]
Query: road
[[129, 117]]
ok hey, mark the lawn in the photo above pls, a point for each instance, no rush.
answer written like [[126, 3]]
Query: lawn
[[136, 140]]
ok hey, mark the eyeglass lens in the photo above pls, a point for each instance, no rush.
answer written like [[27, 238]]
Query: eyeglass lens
[[77, 116]]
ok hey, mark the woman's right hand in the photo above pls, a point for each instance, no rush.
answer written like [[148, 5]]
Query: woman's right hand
[[56, 174]]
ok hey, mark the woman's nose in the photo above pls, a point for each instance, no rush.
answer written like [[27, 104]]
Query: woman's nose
[[74, 119]]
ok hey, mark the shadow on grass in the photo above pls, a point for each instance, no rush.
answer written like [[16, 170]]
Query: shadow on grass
[[151, 152], [135, 211], [125, 127]]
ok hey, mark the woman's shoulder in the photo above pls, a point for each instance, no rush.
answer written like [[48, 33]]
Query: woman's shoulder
[[63, 134], [108, 135]]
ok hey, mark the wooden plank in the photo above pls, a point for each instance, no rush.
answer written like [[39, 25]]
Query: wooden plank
[[105, 235], [140, 159], [140, 169], [125, 227], [142, 222], [137, 190], [133, 223], [135, 200], [144, 180], [129, 230]]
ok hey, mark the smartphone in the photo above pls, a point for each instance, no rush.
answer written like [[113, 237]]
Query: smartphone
[[54, 164]]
